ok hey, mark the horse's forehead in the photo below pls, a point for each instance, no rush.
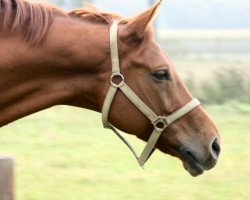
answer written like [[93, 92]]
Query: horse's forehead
[[153, 54]]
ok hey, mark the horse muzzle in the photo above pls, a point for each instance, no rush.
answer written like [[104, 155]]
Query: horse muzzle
[[196, 164]]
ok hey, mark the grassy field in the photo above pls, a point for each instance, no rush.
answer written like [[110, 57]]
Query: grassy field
[[64, 154]]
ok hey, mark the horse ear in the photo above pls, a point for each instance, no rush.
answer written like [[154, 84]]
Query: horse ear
[[137, 26]]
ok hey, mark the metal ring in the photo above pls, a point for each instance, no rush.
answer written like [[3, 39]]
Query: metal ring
[[160, 123], [119, 76]]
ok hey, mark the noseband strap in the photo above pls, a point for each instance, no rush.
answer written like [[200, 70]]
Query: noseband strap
[[160, 123]]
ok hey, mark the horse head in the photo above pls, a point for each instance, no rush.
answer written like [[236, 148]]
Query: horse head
[[150, 74]]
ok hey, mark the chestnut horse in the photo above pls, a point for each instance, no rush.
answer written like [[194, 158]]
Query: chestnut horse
[[50, 57]]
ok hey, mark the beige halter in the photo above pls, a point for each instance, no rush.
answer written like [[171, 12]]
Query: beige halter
[[160, 123]]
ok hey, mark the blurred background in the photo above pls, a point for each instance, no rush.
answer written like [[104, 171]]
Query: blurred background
[[205, 39], [63, 153]]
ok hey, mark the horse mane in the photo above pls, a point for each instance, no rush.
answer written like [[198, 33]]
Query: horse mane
[[92, 14], [32, 19]]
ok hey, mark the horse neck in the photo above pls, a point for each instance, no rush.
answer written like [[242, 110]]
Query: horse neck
[[67, 68]]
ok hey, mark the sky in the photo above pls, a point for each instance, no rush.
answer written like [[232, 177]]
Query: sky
[[182, 14]]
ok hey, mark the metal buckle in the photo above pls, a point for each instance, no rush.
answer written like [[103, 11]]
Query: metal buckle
[[117, 75], [160, 124]]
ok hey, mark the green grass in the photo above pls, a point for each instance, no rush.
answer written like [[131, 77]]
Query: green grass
[[64, 154]]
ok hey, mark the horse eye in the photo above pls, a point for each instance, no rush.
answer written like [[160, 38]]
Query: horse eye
[[161, 75]]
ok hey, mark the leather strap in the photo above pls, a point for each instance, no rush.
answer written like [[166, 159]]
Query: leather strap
[[149, 147], [114, 48], [159, 123], [106, 106], [138, 102]]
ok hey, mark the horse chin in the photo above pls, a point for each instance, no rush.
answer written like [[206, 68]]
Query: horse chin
[[191, 163], [193, 168]]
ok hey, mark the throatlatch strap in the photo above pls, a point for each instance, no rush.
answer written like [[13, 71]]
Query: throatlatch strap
[[125, 141], [165, 120]]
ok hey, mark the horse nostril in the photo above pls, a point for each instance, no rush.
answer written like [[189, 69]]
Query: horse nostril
[[215, 148]]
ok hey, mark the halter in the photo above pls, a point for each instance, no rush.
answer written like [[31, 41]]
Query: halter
[[160, 123]]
